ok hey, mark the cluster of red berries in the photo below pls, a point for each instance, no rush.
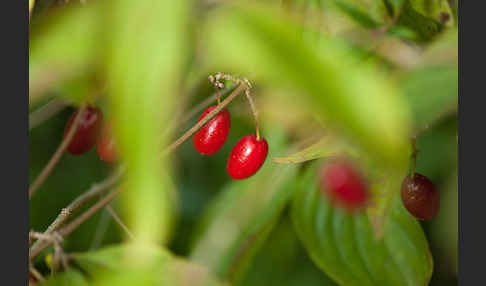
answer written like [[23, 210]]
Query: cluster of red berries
[[346, 186], [91, 131], [246, 157]]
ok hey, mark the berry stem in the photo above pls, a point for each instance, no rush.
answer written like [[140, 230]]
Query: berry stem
[[92, 193], [77, 222], [254, 111], [36, 274], [45, 112], [118, 220], [57, 155], [218, 95], [414, 157]]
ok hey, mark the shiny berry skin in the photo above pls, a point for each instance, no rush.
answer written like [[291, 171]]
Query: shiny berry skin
[[106, 146], [247, 157], [211, 137], [88, 130], [420, 197], [344, 185]]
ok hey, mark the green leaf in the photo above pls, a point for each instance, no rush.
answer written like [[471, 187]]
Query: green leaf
[[344, 246], [62, 46], [113, 266], [443, 52], [431, 9], [354, 98], [325, 147], [425, 27], [357, 15], [116, 258], [444, 228], [70, 277], [432, 93], [241, 217], [147, 51]]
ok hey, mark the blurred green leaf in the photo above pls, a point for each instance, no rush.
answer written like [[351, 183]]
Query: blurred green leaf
[[144, 64], [359, 16], [282, 261], [344, 246], [71, 277], [241, 217], [443, 52], [432, 93], [431, 9], [325, 147], [354, 98], [63, 45], [109, 264], [393, 6], [402, 32], [427, 28], [114, 258], [445, 226]]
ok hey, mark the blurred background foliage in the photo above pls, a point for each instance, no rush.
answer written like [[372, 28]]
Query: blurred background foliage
[[330, 77]]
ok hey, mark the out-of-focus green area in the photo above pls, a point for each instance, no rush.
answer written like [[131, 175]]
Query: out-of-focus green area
[[359, 77]]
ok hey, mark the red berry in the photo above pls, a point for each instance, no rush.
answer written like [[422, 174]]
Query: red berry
[[87, 132], [247, 157], [211, 137], [106, 147], [420, 197], [344, 185]]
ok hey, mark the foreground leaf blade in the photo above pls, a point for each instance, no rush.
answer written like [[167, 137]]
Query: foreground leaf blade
[[345, 246]]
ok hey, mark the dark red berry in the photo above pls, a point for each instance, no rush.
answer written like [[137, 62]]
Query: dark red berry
[[247, 157], [87, 132], [420, 197], [106, 147], [344, 185], [211, 137]]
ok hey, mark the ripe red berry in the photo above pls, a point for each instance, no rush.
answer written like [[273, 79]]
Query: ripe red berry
[[344, 185], [420, 197], [87, 132], [106, 146], [211, 137], [247, 157]]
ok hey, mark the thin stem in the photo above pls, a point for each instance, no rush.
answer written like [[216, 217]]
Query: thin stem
[[198, 108], [100, 230], [90, 212], [77, 222], [36, 273], [45, 112], [203, 121], [254, 111], [218, 95], [91, 194], [57, 155], [414, 157], [112, 212]]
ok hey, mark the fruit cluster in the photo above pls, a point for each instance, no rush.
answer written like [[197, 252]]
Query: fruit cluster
[[91, 131], [246, 158], [346, 186], [249, 153]]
